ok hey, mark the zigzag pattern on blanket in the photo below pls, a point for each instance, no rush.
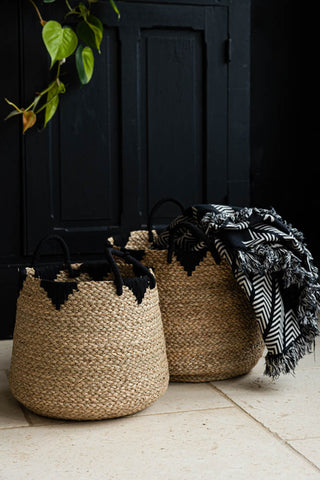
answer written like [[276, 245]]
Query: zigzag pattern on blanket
[[273, 266]]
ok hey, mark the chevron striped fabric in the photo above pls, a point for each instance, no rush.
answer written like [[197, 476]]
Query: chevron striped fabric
[[272, 264]]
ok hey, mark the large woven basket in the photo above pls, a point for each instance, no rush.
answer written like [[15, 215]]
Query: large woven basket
[[210, 328], [85, 348]]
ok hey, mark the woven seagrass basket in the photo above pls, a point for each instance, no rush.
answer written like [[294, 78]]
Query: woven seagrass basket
[[88, 340], [210, 328]]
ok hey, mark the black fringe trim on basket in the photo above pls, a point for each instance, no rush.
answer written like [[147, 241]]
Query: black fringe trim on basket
[[48, 271], [58, 292], [96, 270], [138, 286], [121, 239], [137, 254], [189, 260]]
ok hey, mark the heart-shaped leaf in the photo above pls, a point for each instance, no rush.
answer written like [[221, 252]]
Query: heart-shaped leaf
[[29, 118], [85, 64], [60, 42], [90, 32]]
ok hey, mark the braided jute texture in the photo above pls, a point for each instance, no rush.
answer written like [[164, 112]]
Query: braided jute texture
[[210, 328], [100, 356]]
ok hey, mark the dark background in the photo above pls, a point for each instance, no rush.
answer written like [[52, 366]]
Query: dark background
[[284, 102], [284, 170]]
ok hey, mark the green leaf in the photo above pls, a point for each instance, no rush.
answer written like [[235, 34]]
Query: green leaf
[[12, 114], [115, 8], [84, 63], [60, 42], [85, 34], [61, 87], [48, 1], [53, 101], [90, 32], [97, 28]]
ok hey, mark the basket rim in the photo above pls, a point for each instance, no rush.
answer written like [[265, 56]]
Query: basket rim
[[77, 280]]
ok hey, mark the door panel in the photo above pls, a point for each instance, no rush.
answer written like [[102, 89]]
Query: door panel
[[88, 174], [176, 125], [80, 175], [173, 84]]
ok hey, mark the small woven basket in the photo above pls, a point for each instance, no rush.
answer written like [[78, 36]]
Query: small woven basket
[[88, 341], [210, 328]]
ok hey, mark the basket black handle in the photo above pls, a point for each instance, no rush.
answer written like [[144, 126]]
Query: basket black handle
[[198, 233], [156, 207], [118, 280], [63, 245]]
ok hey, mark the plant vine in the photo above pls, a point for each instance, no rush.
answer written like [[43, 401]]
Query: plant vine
[[62, 42]]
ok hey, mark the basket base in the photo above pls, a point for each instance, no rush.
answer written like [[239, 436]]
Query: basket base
[[202, 378], [82, 414]]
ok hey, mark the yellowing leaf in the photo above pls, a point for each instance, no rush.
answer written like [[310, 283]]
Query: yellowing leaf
[[29, 118]]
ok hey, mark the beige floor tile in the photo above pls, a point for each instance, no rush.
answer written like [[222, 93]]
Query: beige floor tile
[[311, 360], [204, 445], [288, 406], [186, 397], [5, 354], [309, 447], [11, 414]]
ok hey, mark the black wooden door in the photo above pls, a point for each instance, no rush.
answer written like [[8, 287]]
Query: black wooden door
[[153, 123], [166, 114]]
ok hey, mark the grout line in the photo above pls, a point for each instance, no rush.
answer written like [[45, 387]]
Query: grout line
[[35, 425], [302, 455], [136, 415], [304, 438], [14, 427], [274, 434], [182, 411]]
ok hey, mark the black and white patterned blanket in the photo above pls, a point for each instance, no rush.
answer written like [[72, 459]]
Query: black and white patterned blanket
[[272, 264]]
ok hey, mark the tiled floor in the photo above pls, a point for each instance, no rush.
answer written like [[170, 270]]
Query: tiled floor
[[248, 427]]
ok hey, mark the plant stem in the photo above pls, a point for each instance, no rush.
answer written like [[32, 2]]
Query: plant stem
[[58, 72], [69, 6], [43, 22]]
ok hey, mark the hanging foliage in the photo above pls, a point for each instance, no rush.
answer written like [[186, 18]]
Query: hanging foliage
[[62, 42]]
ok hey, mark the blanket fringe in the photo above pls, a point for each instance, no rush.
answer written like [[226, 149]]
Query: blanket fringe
[[286, 362]]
